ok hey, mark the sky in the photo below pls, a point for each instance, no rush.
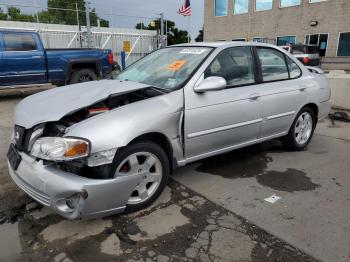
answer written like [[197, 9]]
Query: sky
[[145, 8]]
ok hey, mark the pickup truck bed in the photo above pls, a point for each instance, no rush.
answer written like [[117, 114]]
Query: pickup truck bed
[[24, 61]]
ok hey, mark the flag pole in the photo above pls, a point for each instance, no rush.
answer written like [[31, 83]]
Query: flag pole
[[189, 29]]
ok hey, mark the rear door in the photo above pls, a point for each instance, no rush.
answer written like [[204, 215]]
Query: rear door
[[23, 59], [282, 88]]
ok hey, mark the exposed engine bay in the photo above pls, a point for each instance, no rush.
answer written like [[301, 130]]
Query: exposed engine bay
[[110, 103], [58, 129]]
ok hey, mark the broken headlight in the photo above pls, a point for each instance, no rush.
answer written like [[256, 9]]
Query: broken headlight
[[60, 148]]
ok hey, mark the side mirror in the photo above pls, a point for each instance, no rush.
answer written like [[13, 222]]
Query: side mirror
[[212, 83]]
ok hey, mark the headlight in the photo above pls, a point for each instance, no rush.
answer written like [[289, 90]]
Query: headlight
[[60, 148]]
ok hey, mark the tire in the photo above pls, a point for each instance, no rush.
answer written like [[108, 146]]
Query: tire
[[83, 75], [300, 134], [152, 183]]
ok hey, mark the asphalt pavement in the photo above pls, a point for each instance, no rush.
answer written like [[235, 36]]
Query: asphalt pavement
[[314, 189], [213, 210]]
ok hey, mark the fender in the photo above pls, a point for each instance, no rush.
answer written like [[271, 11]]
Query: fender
[[118, 127], [87, 60]]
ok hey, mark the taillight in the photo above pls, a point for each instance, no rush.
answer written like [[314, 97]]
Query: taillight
[[306, 60], [110, 59]]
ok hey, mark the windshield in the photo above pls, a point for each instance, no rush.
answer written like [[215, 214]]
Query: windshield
[[166, 68]]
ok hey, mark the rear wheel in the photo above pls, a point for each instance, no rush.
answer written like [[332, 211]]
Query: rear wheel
[[302, 130], [150, 162], [83, 75]]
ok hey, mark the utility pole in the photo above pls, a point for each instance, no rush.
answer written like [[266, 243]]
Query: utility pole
[[88, 29], [36, 12], [78, 23], [162, 29], [166, 32], [77, 14]]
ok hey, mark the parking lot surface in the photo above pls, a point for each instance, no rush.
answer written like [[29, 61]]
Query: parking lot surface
[[313, 212], [213, 211]]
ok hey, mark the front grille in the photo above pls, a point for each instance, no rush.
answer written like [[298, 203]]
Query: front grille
[[19, 136], [31, 191], [22, 136]]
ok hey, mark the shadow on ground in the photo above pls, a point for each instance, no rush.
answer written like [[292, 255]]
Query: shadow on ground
[[253, 161]]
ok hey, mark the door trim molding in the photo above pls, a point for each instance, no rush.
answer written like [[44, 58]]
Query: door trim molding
[[229, 148], [223, 128], [280, 115], [19, 75]]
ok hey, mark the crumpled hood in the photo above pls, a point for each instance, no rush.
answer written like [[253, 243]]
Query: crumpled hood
[[53, 104]]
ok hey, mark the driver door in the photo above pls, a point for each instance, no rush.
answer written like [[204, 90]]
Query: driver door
[[218, 121]]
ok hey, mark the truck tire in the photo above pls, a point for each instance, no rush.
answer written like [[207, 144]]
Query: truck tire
[[151, 163], [83, 75]]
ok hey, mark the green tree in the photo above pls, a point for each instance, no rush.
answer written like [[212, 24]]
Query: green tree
[[175, 36], [44, 17], [56, 16], [14, 14], [68, 17], [199, 38], [3, 16]]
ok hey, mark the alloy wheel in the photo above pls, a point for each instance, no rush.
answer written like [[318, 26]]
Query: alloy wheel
[[303, 128], [149, 168]]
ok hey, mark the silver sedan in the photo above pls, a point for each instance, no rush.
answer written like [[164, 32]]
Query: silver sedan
[[99, 148]]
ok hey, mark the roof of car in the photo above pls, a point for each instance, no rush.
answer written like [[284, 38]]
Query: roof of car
[[224, 44]]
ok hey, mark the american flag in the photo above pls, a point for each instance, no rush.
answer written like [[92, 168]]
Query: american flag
[[185, 9]]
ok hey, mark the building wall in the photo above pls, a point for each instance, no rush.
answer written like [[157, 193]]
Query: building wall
[[333, 16]]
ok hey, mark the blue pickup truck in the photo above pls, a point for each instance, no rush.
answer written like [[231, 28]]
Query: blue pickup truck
[[24, 61]]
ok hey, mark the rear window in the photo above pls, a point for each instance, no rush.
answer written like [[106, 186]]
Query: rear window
[[273, 64], [19, 42], [312, 50], [304, 49]]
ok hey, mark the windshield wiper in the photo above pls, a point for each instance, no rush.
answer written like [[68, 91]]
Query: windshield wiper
[[160, 89], [163, 90]]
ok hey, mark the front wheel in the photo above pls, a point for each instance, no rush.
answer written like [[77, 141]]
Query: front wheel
[[151, 164], [302, 130]]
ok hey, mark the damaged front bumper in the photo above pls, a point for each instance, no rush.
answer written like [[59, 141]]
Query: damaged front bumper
[[70, 195]]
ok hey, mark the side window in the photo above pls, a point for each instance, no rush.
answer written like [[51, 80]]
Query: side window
[[19, 42], [294, 69], [273, 64], [235, 65]]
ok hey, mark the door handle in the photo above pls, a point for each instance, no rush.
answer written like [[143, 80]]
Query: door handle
[[37, 56], [254, 97], [302, 89]]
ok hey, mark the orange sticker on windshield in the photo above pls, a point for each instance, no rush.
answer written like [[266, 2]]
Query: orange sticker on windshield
[[176, 65]]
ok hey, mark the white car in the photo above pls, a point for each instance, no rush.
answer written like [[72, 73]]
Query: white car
[[95, 149]]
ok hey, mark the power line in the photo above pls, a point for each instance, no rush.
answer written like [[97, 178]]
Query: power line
[[81, 11]]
